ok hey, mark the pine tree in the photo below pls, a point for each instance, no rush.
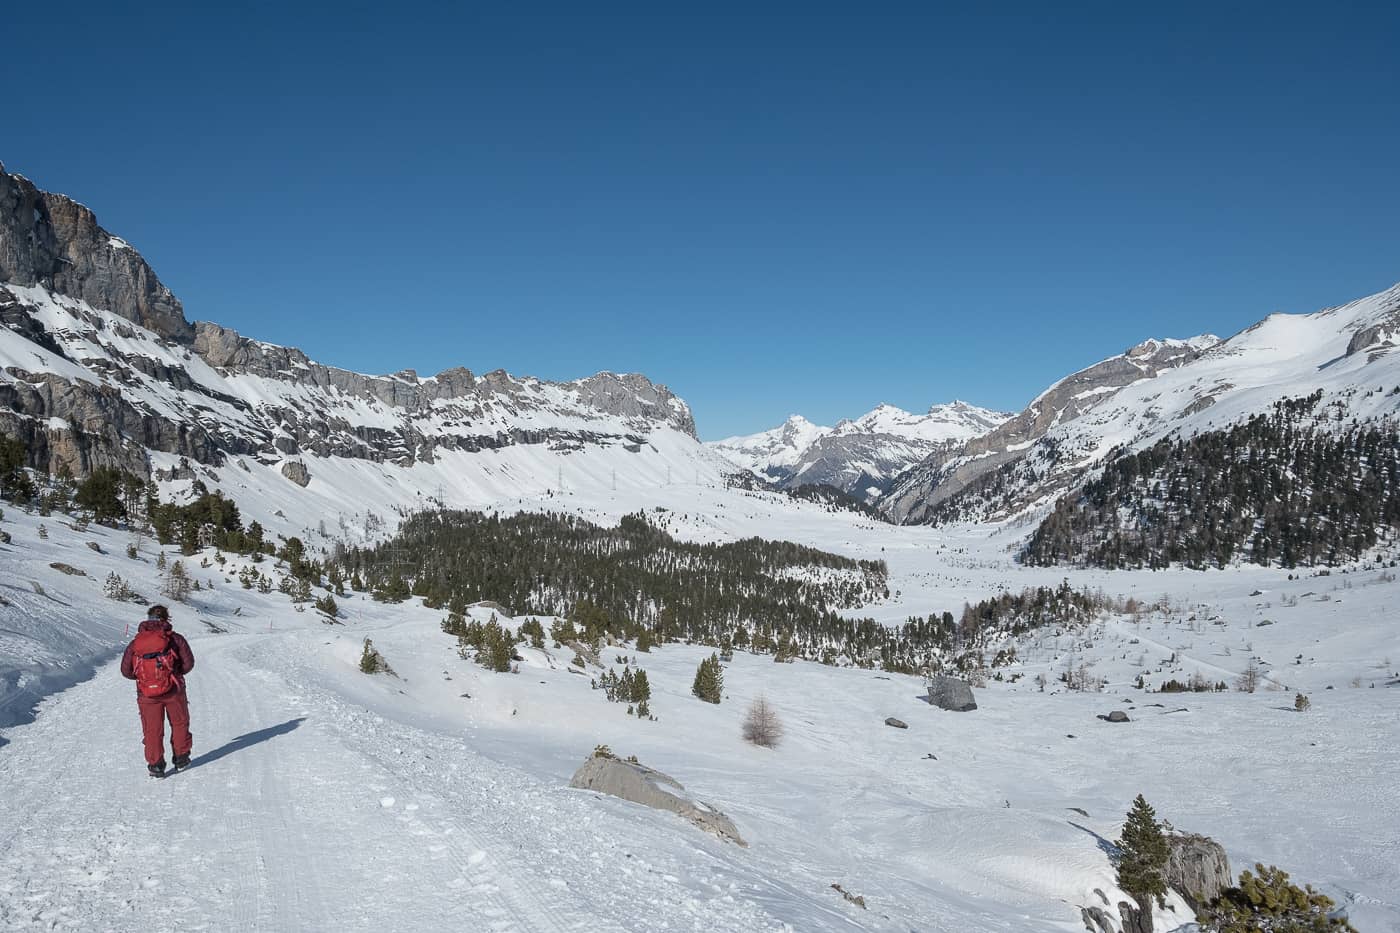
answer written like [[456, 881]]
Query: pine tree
[[709, 680], [177, 583], [1142, 855], [371, 661], [326, 604], [641, 691], [116, 588]]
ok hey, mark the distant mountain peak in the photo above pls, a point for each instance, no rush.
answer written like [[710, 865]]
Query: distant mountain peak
[[858, 455]]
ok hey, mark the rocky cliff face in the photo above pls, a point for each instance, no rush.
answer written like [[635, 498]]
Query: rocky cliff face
[[55, 242], [98, 367]]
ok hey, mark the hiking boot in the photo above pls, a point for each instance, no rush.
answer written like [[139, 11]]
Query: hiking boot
[[181, 762], [156, 770]]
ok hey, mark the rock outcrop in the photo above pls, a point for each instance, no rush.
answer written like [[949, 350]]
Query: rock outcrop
[[51, 240], [1198, 868], [116, 373], [636, 782], [1097, 920], [951, 694]]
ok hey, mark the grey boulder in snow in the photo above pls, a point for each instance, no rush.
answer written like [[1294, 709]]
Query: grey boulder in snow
[[640, 784], [951, 694], [296, 471]]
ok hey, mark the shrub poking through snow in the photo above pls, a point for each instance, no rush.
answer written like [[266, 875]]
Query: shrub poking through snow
[[1268, 901], [372, 662], [1301, 703], [1143, 854], [327, 605], [761, 724]]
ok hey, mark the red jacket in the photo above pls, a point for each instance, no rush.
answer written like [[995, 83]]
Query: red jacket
[[184, 657]]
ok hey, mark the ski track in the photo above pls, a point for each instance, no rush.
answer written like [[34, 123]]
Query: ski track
[[423, 831]]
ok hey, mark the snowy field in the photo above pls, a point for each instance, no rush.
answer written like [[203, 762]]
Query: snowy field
[[325, 799]]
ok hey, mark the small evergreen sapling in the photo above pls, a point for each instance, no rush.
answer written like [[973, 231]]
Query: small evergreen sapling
[[326, 604], [371, 661], [709, 680], [1143, 853]]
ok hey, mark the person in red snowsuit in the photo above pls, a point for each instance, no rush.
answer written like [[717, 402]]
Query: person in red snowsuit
[[173, 704]]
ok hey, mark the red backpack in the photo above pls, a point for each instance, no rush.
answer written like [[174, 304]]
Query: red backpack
[[155, 657]]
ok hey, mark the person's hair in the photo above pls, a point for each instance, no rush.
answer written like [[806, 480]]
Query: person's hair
[[158, 612]]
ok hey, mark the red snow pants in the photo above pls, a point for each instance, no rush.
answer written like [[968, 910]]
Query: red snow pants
[[154, 710]]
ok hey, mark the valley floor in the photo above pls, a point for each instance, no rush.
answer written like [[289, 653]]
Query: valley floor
[[325, 799]]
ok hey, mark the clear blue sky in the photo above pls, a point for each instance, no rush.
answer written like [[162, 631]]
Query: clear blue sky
[[813, 208]]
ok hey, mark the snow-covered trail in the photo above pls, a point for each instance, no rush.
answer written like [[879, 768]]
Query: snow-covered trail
[[304, 811], [279, 824]]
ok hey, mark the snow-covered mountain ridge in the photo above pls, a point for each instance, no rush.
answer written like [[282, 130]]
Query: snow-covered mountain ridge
[[1169, 387], [860, 455], [98, 367]]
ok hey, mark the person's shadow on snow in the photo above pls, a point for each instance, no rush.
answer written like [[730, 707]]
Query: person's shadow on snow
[[246, 740]]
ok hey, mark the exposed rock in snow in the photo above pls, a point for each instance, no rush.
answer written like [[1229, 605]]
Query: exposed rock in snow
[[640, 784], [951, 694], [1197, 868], [296, 471]]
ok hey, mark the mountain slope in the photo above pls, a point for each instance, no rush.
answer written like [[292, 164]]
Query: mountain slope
[[859, 456], [1161, 389], [98, 367], [944, 473]]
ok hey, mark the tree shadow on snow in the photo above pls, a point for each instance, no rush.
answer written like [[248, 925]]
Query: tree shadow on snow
[[246, 740], [1105, 846]]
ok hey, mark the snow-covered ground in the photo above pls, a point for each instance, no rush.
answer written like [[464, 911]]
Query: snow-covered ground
[[323, 798]]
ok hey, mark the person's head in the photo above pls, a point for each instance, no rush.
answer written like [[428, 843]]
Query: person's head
[[158, 613]]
